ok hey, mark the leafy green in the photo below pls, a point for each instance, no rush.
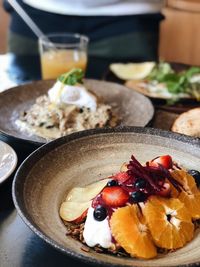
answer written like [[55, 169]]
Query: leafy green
[[192, 71], [159, 71], [194, 90], [176, 82], [72, 77]]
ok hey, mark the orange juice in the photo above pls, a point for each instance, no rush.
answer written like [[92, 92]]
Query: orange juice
[[58, 61]]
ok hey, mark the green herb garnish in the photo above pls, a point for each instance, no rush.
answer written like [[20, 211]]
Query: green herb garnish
[[159, 71], [176, 83], [72, 77]]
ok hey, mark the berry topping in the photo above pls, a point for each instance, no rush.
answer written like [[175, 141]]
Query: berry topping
[[121, 177], [140, 183], [165, 161], [155, 175], [114, 196], [138, 196], [165, 191], [196, 176], [112, 183], [100, 213]]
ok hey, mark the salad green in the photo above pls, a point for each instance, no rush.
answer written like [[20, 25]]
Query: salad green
[[72, 77], [176, 82]]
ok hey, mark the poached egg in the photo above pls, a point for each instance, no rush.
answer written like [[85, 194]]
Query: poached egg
[[61, 94]]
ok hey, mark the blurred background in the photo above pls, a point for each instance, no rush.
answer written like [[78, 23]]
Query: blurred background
[[179, 32]]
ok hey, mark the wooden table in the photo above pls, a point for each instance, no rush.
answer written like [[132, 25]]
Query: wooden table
[[19, 246]]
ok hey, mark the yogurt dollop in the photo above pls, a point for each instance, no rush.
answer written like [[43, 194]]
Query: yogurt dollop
[[97, 232], [76, 95]]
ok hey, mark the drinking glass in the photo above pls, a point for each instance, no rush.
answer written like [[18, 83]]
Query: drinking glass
[[60, 52]]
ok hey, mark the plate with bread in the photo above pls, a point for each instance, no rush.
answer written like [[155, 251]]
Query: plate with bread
[[160, 80], [188, 123]]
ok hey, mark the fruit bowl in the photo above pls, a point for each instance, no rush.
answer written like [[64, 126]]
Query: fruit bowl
[[45, 178]]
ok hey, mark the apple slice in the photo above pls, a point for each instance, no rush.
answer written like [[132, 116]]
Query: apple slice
[[79, 199], [72, 211], [85, 194], [124, 167], [81, 218]]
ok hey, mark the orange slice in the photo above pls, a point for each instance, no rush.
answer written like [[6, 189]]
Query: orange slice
[[190, 194], [169, 222], [130, 231]]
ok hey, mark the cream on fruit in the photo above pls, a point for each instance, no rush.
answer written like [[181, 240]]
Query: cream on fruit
[[97, 232], [76, 95]]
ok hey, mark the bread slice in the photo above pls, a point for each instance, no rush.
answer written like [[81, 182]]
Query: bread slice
[[188, 123]]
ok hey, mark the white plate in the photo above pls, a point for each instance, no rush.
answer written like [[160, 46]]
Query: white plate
[[8, 161]]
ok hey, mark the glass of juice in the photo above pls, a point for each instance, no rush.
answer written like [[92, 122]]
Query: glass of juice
[[61, 52]]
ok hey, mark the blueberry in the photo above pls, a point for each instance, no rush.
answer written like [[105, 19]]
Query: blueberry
[[112, 183], [140, 183], [138, 196], [196, 175], [100, 213]]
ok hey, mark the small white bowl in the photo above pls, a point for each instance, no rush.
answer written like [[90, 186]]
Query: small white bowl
[[8, 161]]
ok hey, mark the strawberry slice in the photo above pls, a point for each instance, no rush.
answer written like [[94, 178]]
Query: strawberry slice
[[165, 191], [121, 177], [165, 161], [115, 196]]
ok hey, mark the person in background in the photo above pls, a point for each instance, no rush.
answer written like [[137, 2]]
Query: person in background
[[121, 30]]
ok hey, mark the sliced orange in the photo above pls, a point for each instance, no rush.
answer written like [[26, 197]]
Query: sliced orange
[[169, 222], [130, 231], [190, 194]]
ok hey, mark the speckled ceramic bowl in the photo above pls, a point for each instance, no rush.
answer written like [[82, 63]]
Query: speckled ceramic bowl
[[132, 108], [44, 179]]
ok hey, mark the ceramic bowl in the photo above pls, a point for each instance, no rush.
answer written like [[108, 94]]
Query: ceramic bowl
[[8, 161], [43, 180], [132, 108]]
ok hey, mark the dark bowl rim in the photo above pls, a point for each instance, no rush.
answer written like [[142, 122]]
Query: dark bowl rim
[[12, 137], [43, 141], [74, 136]]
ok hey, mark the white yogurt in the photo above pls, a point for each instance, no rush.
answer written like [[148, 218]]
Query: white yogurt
[[97, 232], [76, 95]]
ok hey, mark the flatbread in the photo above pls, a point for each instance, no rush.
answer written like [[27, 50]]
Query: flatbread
[[188, 123], [141, 86]]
